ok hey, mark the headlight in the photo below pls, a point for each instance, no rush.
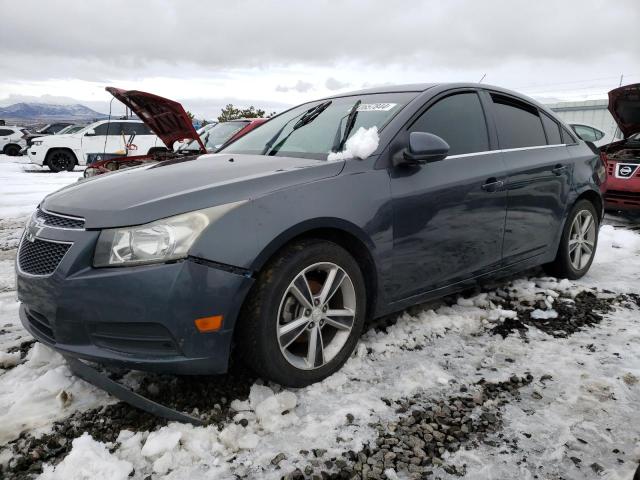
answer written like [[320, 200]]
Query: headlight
[[155, 242], [36, 142]]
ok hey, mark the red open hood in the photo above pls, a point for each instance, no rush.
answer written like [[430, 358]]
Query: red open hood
[[624, 105], [166, 118]]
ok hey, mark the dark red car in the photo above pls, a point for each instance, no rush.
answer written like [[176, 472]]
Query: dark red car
[[170, 122], [622, 158]]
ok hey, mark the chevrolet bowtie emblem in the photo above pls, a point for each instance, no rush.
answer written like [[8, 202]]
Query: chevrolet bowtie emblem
[[34, 228]]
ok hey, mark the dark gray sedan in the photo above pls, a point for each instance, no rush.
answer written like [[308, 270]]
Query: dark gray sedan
[[279, 248]]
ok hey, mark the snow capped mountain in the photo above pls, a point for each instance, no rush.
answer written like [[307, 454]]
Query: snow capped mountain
[[45, 111]]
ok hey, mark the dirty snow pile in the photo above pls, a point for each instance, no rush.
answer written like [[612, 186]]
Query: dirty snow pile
[[360, 145]]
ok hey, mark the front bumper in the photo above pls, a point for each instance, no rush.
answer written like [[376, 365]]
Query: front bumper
[[138, 318], [36, 154], [622, 193]]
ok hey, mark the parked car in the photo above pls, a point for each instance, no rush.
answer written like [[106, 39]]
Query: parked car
[[48, 129], [279, 251], [622, 158], [12, 140], [589, 133], [65, 131], [223, 133], [180, 144], [99, 141]]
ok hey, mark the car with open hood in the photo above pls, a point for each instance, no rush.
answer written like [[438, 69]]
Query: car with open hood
[[278, 248], [622, 158], [171, 123]]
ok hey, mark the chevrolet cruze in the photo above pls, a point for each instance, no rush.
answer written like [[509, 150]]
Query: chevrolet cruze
[[279, 248]]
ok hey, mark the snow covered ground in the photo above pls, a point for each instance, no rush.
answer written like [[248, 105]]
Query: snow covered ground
[[574, 418]]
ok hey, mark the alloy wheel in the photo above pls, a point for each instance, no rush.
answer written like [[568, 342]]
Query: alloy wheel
[[582, 238], [316, 315]]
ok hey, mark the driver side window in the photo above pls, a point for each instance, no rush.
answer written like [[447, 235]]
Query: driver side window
[[459, 120]]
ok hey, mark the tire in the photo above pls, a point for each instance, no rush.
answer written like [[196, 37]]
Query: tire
[[12, 150], [59, 160], [284, 357], [567, 264]]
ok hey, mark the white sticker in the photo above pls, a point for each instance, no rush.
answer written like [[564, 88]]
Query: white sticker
[[376, 107]]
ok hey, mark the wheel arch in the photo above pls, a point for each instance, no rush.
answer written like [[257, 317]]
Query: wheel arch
[[338, 231], [595, 198], [54, 149], [11, 144]]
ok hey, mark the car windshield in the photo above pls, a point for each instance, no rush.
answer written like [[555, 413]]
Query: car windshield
[[70, 129], [289, 134], [214, 137]]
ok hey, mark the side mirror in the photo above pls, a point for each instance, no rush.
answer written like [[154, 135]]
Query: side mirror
[[90, 133], [423, 148]]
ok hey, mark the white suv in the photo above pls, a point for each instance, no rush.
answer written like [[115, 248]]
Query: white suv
[[12, 140], [99, 141]]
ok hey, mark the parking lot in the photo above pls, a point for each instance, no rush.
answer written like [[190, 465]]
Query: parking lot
[[532, 377]]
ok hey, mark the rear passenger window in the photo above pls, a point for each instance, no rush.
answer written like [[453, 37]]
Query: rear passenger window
[[518, 123], [459, 120], [137, 128], [552, 129], [5, 132]]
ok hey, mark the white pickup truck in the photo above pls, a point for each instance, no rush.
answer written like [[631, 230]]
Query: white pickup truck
[[99, 141]]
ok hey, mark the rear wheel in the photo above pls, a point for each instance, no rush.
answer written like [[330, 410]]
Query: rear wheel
[[578, 244], [305, 314], [59, 160], [12, 150]]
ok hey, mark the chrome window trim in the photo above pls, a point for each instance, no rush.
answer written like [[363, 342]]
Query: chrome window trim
[[506, 150]]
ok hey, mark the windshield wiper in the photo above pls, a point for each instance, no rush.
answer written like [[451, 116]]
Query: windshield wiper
[[339, 141], [306, 118]]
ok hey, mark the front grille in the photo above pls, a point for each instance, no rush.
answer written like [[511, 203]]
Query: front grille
[[41, 325], [40, 257], [59, 221], [621, 197]]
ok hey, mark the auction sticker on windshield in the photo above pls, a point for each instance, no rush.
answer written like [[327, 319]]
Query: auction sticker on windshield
[[376, 107]]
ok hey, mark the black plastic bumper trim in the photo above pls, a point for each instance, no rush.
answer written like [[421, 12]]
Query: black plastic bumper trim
[[99, 380]]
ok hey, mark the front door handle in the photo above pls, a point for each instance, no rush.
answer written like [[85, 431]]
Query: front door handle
[[559, 169], [492, 185]]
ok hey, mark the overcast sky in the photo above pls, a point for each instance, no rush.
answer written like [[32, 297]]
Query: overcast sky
[[277, 53]]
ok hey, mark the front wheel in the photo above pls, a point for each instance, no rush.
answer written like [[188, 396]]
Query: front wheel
[[578, 243], [305, 314], [59, 160]]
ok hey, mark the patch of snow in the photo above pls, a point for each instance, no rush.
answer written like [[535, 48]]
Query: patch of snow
[[538, 314], [29, 393], [360, 145], [88, 460]]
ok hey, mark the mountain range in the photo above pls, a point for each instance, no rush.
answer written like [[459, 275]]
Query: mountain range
[[47, 112]]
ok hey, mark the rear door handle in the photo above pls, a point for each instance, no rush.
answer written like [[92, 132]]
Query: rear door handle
[[492, 185], [559, 169]]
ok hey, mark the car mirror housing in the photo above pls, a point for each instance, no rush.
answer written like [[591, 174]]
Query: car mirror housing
[[91, 132], [423, 148]]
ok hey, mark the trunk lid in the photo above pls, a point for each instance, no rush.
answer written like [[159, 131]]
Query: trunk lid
[[624, 105]]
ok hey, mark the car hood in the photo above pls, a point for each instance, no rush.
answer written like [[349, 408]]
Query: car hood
[[624, 105], [139, 195], [166, 118]]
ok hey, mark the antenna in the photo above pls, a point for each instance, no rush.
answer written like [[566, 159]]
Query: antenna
[[483, 77], [621, 77]]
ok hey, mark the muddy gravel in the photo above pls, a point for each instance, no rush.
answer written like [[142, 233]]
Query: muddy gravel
[[416, 444]]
